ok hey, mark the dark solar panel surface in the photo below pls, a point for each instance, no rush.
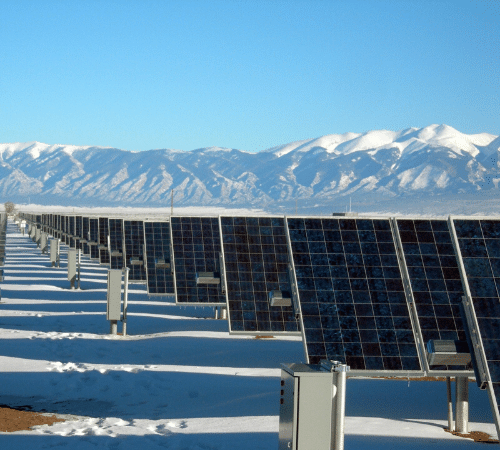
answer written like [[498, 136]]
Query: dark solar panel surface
[[84, 235], [435, 280], [116, 243], [479, 242], [103, 240], [71, 232], [134, 248], [256, 263], [78, 231], [351, 294], [160, 280], [196, 246]]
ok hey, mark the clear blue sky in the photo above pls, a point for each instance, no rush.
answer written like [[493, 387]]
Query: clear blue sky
[[250, 75]]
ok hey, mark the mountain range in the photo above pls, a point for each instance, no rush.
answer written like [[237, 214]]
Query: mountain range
[[411, 165]]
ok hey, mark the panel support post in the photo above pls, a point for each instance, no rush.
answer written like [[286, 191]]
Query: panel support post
[[125, 300], [338, 416], [223, 312], [113, 327], [451, 425], [462, 404]]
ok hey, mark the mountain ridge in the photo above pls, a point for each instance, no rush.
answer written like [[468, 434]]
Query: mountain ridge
[[435, 160]]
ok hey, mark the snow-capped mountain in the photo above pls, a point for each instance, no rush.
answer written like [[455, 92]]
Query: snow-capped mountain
[[373, 166]]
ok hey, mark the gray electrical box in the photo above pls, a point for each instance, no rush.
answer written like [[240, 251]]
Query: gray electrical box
[[72, 267], [448, 352], [43, 242], [114, 305], [207, 278], [54, 251], [277, 298], [305, 408]]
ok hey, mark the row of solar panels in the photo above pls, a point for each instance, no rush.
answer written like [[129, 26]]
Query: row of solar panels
[[3, 232], [383, 295]]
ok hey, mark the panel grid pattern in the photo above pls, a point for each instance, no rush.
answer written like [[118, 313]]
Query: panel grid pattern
[[134, 248], [196, 246], [160, 281], [479, 242], [256, 263], [435, 280], [103, 240], [116, 243], [352, 299]]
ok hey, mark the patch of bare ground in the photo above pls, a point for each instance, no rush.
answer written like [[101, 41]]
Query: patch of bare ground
[[476, 436], [17, 420]]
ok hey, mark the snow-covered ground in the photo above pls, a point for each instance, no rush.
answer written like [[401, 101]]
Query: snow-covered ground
[[179, 380]]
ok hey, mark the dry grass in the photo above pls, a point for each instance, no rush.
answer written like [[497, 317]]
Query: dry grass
[[476, 436], [17, 420]]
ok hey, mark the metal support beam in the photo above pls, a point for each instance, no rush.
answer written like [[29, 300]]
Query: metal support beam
[[113, 327], [462, 404], [338, 422]]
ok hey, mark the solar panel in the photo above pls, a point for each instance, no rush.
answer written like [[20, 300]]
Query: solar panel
[[351, 294], [94, 237], [196, 249], [257, 276], [78, 231], [479, 246], [84, 236], [116, 243], [159, 267], [103, 240], [71, 232], [133, 235], [435, 282]]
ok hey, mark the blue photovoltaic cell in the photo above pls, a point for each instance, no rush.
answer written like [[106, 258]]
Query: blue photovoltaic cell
[[116, 243], [196, 248], [435, 280], [256, 263], [94, 237], [160, 280], [133, 232], [78, 231], [71, 232], [351, 294], [103, 240], [479, 242]]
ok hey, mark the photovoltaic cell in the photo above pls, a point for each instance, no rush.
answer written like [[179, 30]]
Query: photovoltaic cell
[[352, 300], [84, 235], [116, 243], [134, 249], [196, 248], [159, 267], [257, 263], [435, 280], [71, 232]]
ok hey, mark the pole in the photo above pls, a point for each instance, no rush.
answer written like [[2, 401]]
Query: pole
[[125, 300], [79, 272], [451, 425], [462, 402], [339, 381]]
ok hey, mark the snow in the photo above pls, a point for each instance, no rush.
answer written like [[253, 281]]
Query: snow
[[178, 380]]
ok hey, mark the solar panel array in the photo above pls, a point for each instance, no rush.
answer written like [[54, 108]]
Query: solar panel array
[[159, 265], [133, 235], [351, 294], [103, 240], [435, 281], [256, 264], [479, 246], [196, 248], [94, 237], [115, 231]]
